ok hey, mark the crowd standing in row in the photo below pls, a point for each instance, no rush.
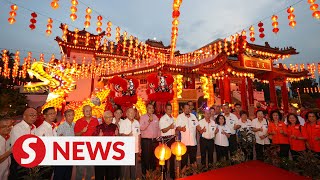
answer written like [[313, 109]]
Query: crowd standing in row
[[219, 130]]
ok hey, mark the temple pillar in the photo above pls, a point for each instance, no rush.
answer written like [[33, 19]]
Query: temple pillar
[[227, 89], [285, 96], [243, 90], [272, 89], [250, 92], [221, 90]]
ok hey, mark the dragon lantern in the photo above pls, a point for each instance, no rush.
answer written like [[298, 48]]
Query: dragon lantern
[[123, 91], [58, 80]]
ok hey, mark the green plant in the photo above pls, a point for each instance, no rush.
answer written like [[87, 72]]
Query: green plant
[[246, 141], [271, 155], [35, 173], [308, 164], [152, 175], [238, 157], [193, 169]]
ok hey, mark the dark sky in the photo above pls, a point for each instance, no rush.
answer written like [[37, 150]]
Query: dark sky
[[201, 22]]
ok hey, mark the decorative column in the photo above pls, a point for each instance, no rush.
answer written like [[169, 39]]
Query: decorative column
[[243, 89], [221, 90], [285, 96], [250, 92], [272, 89], [227, 89], [211, 92], [177, 89]]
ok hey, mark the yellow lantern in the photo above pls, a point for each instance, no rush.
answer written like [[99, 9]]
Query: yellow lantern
[[178, 149], [163, 153]]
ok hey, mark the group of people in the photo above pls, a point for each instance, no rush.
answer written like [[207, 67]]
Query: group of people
[[219, 131]]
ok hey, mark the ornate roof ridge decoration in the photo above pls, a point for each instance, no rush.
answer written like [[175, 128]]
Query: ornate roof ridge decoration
[[276, 50], [155, 43], [83, 31]]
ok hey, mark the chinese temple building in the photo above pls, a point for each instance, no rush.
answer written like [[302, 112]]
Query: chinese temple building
[[224, 63]]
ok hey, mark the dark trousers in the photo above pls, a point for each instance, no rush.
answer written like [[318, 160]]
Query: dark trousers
[[222, 152], [148, 161], [62, 172], [105, 172], [17, 171], [191, 154], [206, 147], [295, 154], [233, 145], [260, 151], [170, 161], [284, 150]]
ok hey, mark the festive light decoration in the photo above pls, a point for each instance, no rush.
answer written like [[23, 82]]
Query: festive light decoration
[[291, 17], [108, 30], [99, 24], [261, 30], [12, 14], [33, 21], [251, 29], [210, 101], [205, 89], [163, 153], [275, 24], [88, 17], [5, 59], [75, 41], [314, 8], [16, 65], [65, 31], [141, 107], [175, 23], [55, 4], [178, 149], [49, 26], [73, 10], [179, 85], [117, 34]]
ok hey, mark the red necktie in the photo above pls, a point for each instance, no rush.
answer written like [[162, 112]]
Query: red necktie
[[32, 127], [53, 126], [6, 137], [170, 116]]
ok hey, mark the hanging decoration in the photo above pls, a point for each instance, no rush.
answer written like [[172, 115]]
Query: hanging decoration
[[33, 21], [99, 24], [117, 34], [275, 24], [88, 17], [291, 17], [261, 30], [175, 23], [73, 10], [5, 60], [65, 31], [124, 43], [108, 30], [49, 26], [75, 41], [314, 8], [204, 86], [16, 64], [12, 14], [55, 4], [251, 29], [179, 85]]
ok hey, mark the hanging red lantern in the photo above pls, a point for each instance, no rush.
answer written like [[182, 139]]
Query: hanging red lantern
[[33, 21], [261, 30], [49, 26], [251, 29], [314, 7], [88, 17], [108, 30], [118, 34], [291, 17], [275, 24], [99, 24], [55, 4], [73, 10], [175, 14], [12, 14]]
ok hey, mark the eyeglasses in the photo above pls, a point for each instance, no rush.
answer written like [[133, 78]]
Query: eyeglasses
[[108, 117]]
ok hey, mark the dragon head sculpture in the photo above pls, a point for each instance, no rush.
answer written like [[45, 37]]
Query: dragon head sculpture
[[58, 80]]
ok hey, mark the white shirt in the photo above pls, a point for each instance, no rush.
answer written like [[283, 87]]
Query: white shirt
[[164, 122], [20, 129], [65, 129], [210, 128], [45, 129], [126, 127], [301, 120], [264, 125], [5, 165], [244, 125], [221, 139], [231, 120], [189, 136]]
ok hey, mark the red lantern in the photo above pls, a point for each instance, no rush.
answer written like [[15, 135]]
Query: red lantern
[[12, 14], [33, 21], [314, 7], [55, 4], [108, 32], [275, 24], [49, 26], [175, 14], [73, 10], [251, 29], [261, 30], [291, 17], [99, 24], [88, 17]]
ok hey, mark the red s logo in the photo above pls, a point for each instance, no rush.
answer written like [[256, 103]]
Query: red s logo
[[29, 151]]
